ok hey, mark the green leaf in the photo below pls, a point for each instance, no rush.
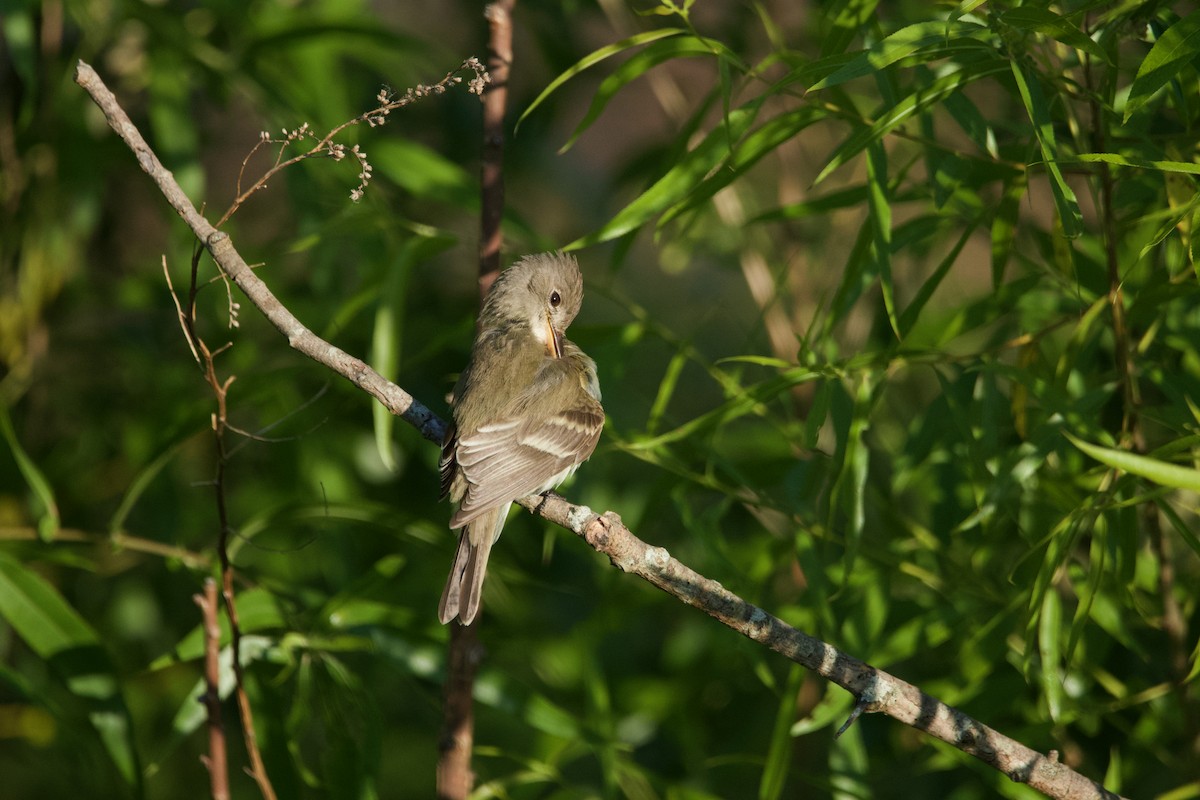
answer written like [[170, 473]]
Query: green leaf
[[745, 402], [842, 198], [1162, 473], [1042, 20], [593, 58], [1050, 651], [387, 333], [1178, 46], [257, 610], [681, 179], [881, 226], [849, 491], [63, 639], [637, 65], [908, 319], [924, 98], [1004, 226], [744, 154], [779, 751], [1039, 113], [140, 483], [49, 521], [191, 713], [666, 388], [904, 42], [1185, 167]]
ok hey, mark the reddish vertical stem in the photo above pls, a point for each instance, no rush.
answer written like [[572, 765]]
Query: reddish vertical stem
[[217, 760], [454, 775], [495, 103]]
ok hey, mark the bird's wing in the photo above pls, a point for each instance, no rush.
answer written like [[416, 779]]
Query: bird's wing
[[515, 457]]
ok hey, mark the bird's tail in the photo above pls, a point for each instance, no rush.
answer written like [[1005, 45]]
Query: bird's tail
[[460, 598]]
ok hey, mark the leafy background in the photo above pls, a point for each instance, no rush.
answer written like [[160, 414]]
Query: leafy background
[[855, 272]]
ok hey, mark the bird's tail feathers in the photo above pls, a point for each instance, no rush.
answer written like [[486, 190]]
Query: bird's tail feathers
[[464, 587]]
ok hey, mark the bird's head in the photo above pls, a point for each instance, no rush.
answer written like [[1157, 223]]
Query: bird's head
[[543, 291]]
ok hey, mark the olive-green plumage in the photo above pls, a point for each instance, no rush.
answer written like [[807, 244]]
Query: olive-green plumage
[[526, 413]]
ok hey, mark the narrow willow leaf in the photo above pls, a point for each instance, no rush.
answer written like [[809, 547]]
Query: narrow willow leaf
[[387, 331], [849, 490], [1186, 167], [745, 402], [817, 414], [1004, 226], [1181, 527], [1162, 473], [1036, 19], [49, 522], [257, 610], [779, 751], [1195, 670], [903, 43], [139, 484], [57, 633], [666, 389], [1176, 48], [845, 20], [636, 66], [1039, 113], [681, 179], [1050, 651], [1091, 586], [909, 318], [744, 154], [924, 98], [855, 279], [385, 349], [851, 197], [881, 226], [593, 58]]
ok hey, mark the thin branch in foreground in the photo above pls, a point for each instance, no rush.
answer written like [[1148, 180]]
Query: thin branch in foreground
[[883, 693]]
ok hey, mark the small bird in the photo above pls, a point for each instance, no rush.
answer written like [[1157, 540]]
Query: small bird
[[526, 413]]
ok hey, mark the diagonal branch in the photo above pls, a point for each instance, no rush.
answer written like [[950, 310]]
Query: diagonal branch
[[876, 690]]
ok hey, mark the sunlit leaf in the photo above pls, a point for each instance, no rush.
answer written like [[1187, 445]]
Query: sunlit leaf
[[595, 57], [1175, 49], [1161, 472], [917, 102], [1039, 113], [905, 42]]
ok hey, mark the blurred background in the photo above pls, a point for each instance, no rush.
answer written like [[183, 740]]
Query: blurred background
[[850, 277]]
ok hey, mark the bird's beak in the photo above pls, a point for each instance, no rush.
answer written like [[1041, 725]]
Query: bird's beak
[[553, 340]]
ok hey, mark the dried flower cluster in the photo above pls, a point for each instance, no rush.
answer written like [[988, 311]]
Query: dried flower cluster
[[388, 101]]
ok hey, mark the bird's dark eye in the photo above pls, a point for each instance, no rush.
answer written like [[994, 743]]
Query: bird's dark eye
[[555, 299]]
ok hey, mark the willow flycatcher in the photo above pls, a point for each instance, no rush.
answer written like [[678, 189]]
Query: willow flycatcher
[[526, 413]]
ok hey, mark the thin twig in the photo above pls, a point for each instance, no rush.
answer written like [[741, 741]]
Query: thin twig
[[605, 533]]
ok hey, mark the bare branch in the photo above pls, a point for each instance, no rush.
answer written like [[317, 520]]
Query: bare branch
[[880, 691], [394, 399]]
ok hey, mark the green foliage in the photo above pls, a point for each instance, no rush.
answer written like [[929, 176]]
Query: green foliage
[[895, 310]]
